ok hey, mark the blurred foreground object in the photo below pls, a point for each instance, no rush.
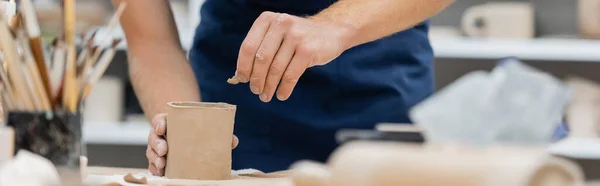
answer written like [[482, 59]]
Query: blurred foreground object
[[583, 113], [28, 169], [392, 164], [589, 16], [7, 143], [583, 117], [500, 20], [513, 104]]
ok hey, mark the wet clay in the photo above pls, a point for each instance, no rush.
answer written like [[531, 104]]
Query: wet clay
[[199, 137], [233, 80]]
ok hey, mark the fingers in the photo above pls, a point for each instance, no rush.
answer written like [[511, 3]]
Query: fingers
[[250, 45], [156, 164], [157, 144], [292, 74], [235, 142], [153, 169], [278, 67], [159, 124], [265, 54]]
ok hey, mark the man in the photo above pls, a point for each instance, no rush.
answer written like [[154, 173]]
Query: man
[[349, 63]]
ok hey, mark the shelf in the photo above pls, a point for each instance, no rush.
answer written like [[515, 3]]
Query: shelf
[[537, 49], [578, 148], [566, 50]]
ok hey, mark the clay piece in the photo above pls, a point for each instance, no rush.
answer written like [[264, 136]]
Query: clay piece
[[199, 137], [233, 80], [131, 179]]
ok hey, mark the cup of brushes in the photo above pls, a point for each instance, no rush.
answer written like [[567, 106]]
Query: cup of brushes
[[43, 87]]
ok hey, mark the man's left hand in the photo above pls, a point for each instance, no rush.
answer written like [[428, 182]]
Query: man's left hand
[[280, 47]]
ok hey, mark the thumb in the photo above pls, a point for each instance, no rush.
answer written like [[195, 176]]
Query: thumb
[[234, 142]]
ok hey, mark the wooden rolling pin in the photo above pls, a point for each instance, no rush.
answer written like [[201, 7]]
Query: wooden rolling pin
[[397, 164]]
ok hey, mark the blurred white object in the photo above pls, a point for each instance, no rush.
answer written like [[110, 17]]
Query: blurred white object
[[7, 142], [105, 102], [589, 14], [500, 20], [29, 169], [512, 104]]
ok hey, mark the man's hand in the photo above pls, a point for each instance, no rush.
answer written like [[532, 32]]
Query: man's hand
[[280, 47], [157, 145]]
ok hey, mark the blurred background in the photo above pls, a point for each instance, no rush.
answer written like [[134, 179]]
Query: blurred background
[[556, 36]]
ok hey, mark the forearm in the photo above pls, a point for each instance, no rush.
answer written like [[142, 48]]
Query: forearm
[[374, 19], [159, 70], [168, 78]]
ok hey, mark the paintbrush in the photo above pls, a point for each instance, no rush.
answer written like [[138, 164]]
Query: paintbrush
[[7, 44], [86, 69], [35, 42], [100, 68], [37, 105], [41, 96], [8, 93], [6, 101], [58, 68], [85, 51], [112, 24], [70, 86], [9, 9], [114, 20]]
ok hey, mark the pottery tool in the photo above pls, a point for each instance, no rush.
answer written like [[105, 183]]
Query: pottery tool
[[7, 44], [99, 68], [35, 42], [70, 85]]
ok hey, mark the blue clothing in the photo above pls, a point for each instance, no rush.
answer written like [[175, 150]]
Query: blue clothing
[[371, 83]]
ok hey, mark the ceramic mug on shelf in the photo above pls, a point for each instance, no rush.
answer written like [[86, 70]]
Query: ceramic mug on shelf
[[513, 20]]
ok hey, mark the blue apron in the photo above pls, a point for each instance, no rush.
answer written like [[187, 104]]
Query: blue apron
[[371, 83]]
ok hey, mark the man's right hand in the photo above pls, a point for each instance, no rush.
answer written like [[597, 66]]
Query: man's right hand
[[157, 145]]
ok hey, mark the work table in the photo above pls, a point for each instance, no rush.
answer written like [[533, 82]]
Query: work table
[[104, 175]]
